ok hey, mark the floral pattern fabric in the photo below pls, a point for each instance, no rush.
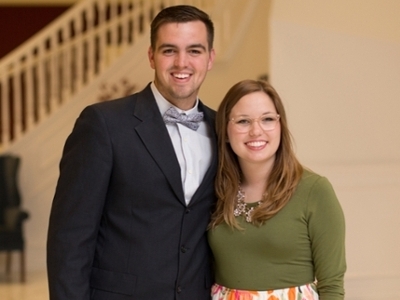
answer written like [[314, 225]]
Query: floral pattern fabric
[[304, 292]]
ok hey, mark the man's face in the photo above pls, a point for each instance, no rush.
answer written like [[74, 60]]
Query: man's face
[[181, 59]]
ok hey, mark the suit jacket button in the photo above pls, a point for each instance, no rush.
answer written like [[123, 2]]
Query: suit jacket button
[[183, 249], [178, 289]]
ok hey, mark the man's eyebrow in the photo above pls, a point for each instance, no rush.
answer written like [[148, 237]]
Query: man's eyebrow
[[197, 46]]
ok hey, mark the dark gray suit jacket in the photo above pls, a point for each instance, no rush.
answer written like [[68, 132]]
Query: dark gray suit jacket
[[119, 226]]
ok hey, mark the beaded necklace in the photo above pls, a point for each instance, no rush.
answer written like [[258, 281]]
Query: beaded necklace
[[241, 206]]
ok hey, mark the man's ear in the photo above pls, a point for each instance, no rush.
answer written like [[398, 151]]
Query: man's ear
[[150, 55]]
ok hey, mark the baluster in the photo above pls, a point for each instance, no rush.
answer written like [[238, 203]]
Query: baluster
[[78, 60], [100, 35], [72, 59], [144, 17], [85, 47], [113, 30], [90, 56], [125, 25], [130, 23], [63, 75], [70, 69], [61, 68], [35, 85], [22, 77], [135, 22], [120, 28], [143, 23], [65, 61], [125, 4], [41, 83], [152, 12], [102, 12], [16, 103], [84, 60], [60, 87], [47, 78], [5, 111], [54, 76], [96, 39], [97, 53], [74, 72], [11, 108], [80, 63], [106, 32], [29, 93]]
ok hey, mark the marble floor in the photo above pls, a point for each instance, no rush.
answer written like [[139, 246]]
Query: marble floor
[[35, 287]]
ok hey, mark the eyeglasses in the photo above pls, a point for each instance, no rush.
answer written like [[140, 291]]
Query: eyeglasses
[[267, 122]]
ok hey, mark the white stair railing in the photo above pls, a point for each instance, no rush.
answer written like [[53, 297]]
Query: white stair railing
[[46, 71]]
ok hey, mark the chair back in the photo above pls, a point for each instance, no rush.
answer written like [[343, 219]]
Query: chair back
[[9, 191]]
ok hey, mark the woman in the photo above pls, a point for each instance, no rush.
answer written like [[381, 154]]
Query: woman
[[278, 229]]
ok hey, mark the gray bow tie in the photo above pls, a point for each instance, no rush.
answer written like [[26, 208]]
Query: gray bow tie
[[172, 116]]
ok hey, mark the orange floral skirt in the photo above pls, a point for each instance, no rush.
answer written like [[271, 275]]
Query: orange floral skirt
[[304, 292]]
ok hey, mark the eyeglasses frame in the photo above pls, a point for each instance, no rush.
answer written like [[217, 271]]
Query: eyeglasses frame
[[256, 120]]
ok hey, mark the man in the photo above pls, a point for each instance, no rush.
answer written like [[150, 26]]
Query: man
[[135, 192]]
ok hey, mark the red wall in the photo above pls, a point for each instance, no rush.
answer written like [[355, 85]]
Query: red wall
[[18, 23]]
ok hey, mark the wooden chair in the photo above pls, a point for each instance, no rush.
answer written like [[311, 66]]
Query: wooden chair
[[12, 216]]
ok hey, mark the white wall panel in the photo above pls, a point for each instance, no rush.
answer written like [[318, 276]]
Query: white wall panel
[[337, 67]]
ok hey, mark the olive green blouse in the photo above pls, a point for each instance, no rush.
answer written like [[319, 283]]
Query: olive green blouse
[[303, 242]]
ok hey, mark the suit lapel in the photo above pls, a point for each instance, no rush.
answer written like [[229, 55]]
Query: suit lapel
[[155, 137]]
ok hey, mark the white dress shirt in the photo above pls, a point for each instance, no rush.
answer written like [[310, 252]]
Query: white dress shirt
[[193, 149]]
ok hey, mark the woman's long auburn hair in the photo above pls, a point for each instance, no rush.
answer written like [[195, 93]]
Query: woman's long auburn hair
[[285, 174]]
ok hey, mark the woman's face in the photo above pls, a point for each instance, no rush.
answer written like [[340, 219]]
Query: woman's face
[[254, 129]]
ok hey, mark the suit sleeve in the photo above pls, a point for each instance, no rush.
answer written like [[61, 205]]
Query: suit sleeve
[[77, 207]]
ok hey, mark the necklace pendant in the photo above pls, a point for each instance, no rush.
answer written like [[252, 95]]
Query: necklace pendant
[[241, 207], [248, 214]]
